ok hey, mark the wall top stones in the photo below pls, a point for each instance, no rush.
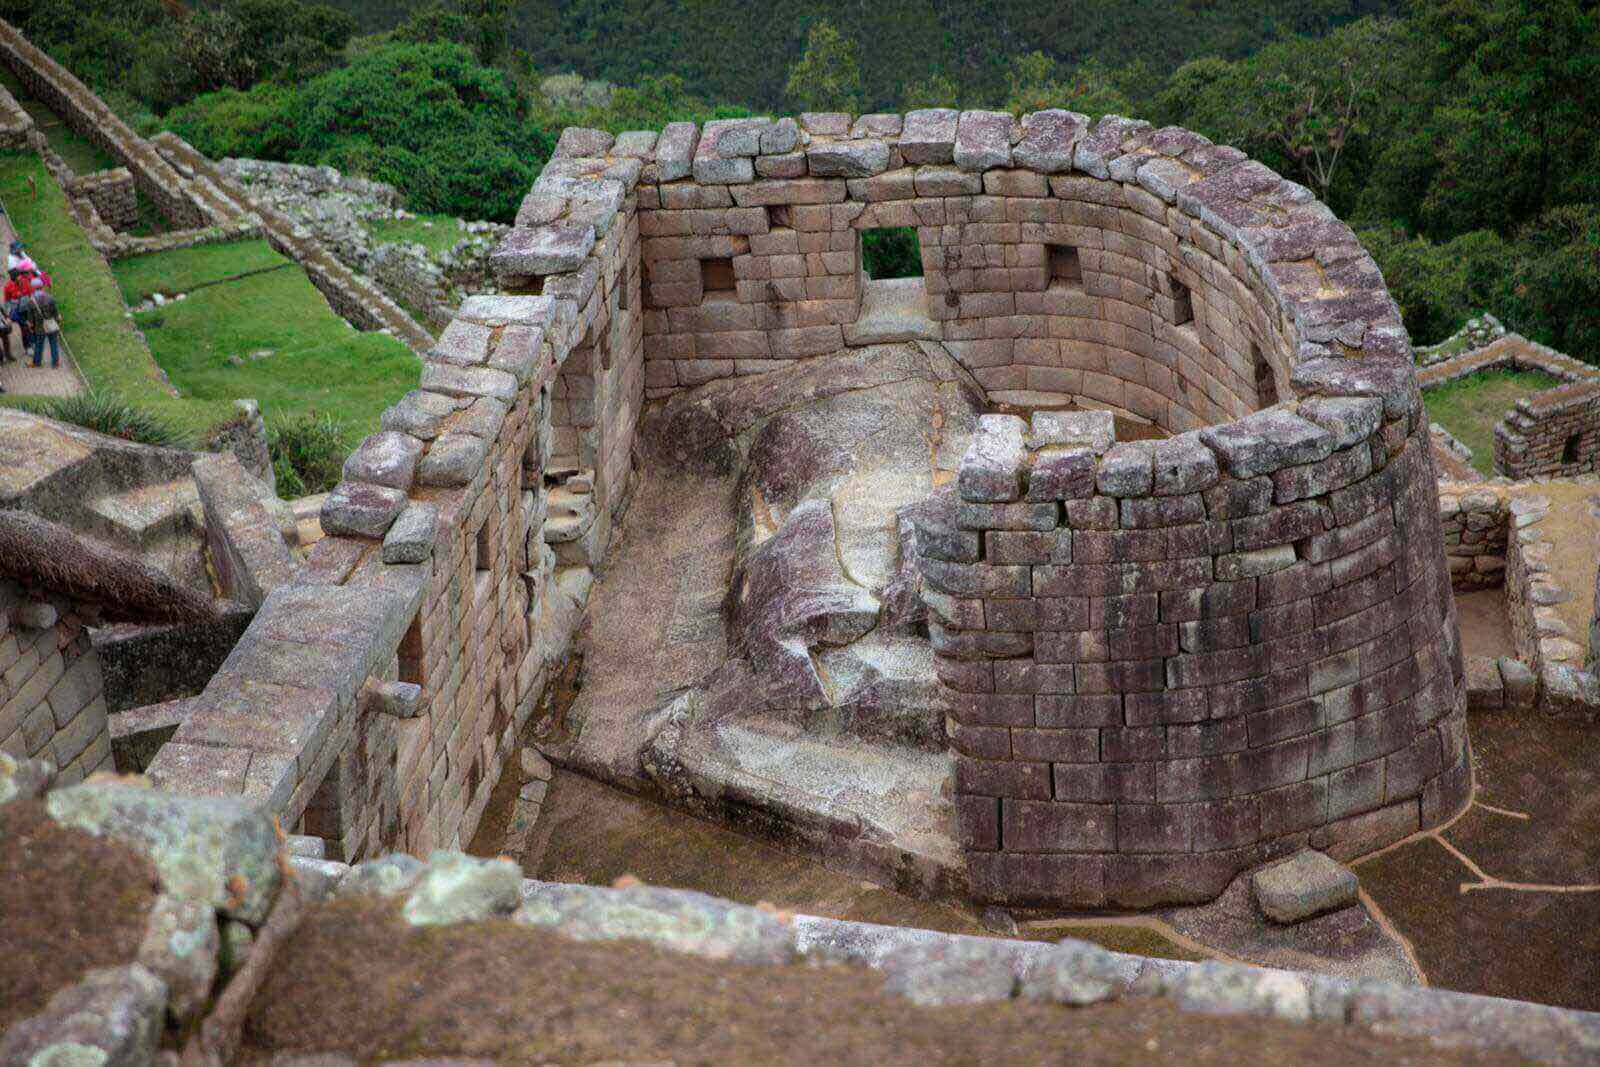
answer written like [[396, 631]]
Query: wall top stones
[[1346, 333]]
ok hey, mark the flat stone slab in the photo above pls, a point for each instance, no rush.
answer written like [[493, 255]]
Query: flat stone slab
[[1304, 885], [892, 309]]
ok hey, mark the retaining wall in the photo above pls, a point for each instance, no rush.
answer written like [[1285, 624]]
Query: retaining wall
[[52, 698], [89, 116], [351, 296]]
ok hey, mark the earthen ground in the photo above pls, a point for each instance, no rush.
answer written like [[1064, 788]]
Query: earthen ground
[[69, 902], [356, 979], [1575, 535], [1485, 628], [1506, 901], [593, 834]]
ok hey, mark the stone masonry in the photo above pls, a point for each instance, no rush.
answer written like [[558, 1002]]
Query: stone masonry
[[1167, 661], [52, 700]]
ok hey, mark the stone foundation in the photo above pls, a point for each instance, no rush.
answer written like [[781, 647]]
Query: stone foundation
[[52, 698]]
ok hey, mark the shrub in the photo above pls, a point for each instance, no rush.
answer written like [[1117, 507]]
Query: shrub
[[111, 415], [891, 253], [308, 452]]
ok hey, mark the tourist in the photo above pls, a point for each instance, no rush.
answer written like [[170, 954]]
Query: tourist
[[16, 256], [44, 324], [12, 296]]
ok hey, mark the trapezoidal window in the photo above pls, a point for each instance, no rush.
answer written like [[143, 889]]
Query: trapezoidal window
[[1266, 381], [1569, 451], [1182, 303], [1066, 269], [891, 253], [717, 281]]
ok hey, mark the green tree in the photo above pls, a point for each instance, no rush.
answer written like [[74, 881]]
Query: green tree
[[933, 91], [826, 78]]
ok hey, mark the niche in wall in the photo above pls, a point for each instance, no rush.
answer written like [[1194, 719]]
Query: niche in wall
[[1066, 268], [717, 281]]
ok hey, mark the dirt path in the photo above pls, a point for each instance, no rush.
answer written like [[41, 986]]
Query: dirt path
[[1485, 628], [21, 378], [1574, 534]]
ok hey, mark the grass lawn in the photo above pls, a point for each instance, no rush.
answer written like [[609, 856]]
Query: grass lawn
[[1469, 407], [181, 270], [110, 353], [441, 236], [317, 362]]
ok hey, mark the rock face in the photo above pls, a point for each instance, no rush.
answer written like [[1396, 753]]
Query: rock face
[[824, 632], [767, 602], [1306, 884]]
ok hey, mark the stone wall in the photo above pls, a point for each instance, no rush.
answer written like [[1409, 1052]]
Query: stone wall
[[1475, 519], [113, 195], [52, 698], [15, 122], [1168, 662], [1555, 433], [178, 199], [375, 697]]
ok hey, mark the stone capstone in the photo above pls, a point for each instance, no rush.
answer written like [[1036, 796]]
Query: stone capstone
[[387, 876], [410, 539], [677, 920], [218, 850], [1076, 972], [459, 888], [360, 509]]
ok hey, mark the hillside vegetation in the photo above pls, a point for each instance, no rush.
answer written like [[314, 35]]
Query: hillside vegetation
[[1458, 136]]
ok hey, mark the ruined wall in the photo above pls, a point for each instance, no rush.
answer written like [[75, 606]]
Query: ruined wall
[[1555, 433], [374, 699], [1475, 520], [52, 698], [87, 114], [113, 195]]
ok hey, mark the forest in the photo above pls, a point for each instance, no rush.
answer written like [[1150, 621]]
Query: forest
[[1459, 137]]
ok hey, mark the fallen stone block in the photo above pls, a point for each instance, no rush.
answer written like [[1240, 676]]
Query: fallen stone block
[[1303, 886]]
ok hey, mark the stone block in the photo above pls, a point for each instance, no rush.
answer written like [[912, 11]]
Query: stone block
[[675, 150], [996, 457], [847, 159], [1049, 139], [983, 140], [358, 509], [386, 458], [1266, 441], [1126, 470], [929, 135], [1304, 886], [541, 250]]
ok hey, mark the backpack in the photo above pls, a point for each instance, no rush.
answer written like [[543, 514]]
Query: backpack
[[40, 308]]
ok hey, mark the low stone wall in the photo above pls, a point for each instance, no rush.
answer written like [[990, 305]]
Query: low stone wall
[[1540, 635], [1509, 351], [15, 122], [88, 115], [52, 697], [244, 540], [1555, 433], [113, 195], [375, 698], [1475, 520], [348, 294]]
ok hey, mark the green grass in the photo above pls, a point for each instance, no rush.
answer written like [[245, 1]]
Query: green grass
[[440, 237], [181, 270], [94, 320], [1469, 407], [318, 363], [80, 153]]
